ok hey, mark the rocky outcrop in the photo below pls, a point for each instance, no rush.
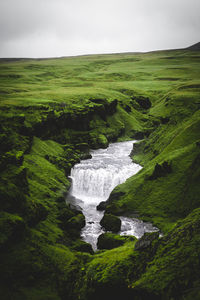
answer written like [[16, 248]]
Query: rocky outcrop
[[58, 118], [161, 170], [146, 240], [114, 196], [141, 102], [101, 206]]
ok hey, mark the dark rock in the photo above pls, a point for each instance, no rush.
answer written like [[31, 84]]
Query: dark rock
[[107, 107], [127, 108], [138, 147], [112, 206], [74, 203], [115, 196], [101, 206], [12, 228], [112, 107], [112, 198], [82, 247], [164, 120], [82, 146], [139, 135], [76, 207], [86, 156], [146, 240], [144, 102], [110, 223], [102, 141], [76, 222], [37, 214], [155, 152], [64, 215], [198, 144], [156, 122], [161, 170], [109, 240]]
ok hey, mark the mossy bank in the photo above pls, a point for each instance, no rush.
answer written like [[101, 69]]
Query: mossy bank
[[54, 111]]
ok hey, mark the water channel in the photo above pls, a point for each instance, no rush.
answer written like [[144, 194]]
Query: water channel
[[92, 182]]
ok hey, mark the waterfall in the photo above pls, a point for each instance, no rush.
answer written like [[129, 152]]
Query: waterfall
[[94, 179]]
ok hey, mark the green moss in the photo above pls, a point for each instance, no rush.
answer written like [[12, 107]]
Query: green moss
[[109, 240], [175, 267], [111, 223], [176, 194], [160, 270], [102, 140], [52, 112], [12, 228]]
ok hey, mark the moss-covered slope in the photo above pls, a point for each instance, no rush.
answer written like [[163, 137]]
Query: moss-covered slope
[[166, 268], [51, 113], [168, 186]]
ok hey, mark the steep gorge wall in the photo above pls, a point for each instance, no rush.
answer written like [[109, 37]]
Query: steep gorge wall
[[39, 145], [41, 253]]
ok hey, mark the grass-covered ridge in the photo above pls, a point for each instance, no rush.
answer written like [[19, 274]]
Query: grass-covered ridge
[[52, 111]]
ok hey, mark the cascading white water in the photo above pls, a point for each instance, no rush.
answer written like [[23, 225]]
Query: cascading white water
[[94, 179]]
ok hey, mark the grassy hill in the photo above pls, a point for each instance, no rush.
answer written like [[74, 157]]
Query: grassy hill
[[52, 112]]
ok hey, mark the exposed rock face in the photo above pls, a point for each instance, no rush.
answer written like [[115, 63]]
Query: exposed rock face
[[106, 107], [161, 170], [146, 240], [144, 102], [102, 205], [53, 124], [111, 223], [112, 198], [77, 222]]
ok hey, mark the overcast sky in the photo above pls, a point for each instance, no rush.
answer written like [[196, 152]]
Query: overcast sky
[[49, 28]]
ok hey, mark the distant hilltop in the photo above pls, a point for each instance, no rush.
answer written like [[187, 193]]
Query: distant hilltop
[[195, 47]]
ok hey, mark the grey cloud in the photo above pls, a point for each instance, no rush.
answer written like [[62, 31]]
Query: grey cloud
[[33, 28]]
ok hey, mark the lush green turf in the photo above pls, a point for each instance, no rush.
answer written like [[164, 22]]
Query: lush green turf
[[52, 111], [167, 269], [73, 80]]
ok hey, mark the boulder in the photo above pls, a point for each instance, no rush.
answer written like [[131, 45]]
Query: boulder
[[101, 206], [109, 240], [76, 223], [110, 223], [82, 246]]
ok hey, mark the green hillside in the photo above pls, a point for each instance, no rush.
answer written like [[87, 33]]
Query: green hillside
[[52, 112]]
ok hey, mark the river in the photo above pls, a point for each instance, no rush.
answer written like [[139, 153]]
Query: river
[[92, 182]]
